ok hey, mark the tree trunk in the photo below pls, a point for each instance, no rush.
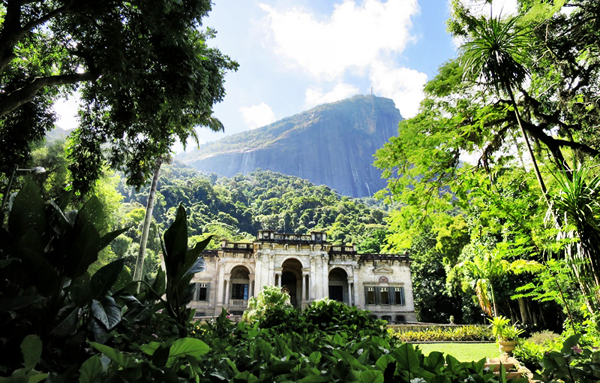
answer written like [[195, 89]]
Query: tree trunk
[[139, 264]]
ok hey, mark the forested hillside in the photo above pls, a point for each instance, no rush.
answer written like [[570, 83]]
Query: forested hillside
[[236, 208]]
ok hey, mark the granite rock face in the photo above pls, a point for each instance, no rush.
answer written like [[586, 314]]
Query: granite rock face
[[332, 144]]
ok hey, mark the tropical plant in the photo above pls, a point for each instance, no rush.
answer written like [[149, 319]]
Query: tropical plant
[[495, 54], [47, 289], [577, 203], [503, 330]]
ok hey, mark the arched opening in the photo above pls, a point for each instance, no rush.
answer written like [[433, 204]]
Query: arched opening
[[291, 277], [240, 286], [338, 285]]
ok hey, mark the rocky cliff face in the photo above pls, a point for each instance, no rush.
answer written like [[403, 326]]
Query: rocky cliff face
[[332, 144]]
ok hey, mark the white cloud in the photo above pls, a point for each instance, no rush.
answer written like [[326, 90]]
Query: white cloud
[[316, 96], [403, 85], [66, 111], [258, 115], [353, 37]]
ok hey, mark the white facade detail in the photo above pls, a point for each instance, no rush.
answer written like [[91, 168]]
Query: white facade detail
[[310, 268]]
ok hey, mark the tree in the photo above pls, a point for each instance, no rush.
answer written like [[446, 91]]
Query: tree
[[495, 54], [215, 125], [143, 69]]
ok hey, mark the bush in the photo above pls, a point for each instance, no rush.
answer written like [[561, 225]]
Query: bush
[[447, 334]]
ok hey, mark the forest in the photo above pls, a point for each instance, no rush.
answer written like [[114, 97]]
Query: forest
[[492, 191]]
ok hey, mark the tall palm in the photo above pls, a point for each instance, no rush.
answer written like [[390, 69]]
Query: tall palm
[[495, 55], [213, 124]]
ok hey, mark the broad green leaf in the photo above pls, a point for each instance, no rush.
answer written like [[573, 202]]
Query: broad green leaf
[[67, 324], [31, 348], [315, 357], [371, 376], [15, 303], [159, 284], [81, 289], [28, 211], [245, 376], [108, 238], [384, 360], [82, 251], [187, 346], [107, 312], [91, 213], [115, 355], [91, 370], [435, 361], [106, 277], [123, 282]]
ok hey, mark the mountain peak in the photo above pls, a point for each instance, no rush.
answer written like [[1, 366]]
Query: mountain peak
[[331, 144]]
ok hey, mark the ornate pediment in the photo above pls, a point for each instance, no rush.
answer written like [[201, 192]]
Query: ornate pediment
[[383, 270]]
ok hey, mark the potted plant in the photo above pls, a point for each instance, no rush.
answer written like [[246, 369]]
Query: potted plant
[[505, 333]]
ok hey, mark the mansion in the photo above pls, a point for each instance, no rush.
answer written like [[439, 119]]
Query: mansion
[[310, 268]]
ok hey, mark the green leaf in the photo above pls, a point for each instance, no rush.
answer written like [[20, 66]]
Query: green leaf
[[91, 214], [28, 211], [187, 346], [384, 360], [245, 376], [124, 281], [91, 370], [82, 251], [371, 376], [15, 303], [107, 312], [81, 290], [106, 277], [159, 285], [108, 238], [115, 355], [315, 358], [31, 348], [68, 324]]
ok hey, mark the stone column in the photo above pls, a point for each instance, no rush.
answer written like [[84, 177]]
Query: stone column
[[325, 276], [311, 277], [303, 294], [349, 292], [356, 289], [221, 264], [258, 274], [227, 287], [251, 285]]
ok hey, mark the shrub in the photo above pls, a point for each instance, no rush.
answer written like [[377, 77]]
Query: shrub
[[443, 334]]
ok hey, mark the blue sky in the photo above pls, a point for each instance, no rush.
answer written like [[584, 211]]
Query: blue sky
[[296, 54]]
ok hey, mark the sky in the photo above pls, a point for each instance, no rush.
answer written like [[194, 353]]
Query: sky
[[297, 54]]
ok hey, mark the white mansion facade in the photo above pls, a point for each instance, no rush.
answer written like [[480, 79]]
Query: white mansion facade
[[310, 268]]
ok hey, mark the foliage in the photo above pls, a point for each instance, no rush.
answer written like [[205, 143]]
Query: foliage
[[571, 363], [532, 350], [47, 290], [502, 329], [576, 202], [117, 54], [271, 307], [446, 333]]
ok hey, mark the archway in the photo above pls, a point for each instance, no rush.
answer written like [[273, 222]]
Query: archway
[[338, 285], [240, 285], [291, 277]]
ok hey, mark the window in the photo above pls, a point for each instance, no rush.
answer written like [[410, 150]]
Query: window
[[201, 291], [384, 294], [239, 291], [387, 318], [399, 296], [370, 295], [400, 318]]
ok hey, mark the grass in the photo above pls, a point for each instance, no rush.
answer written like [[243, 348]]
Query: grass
[[464, 352]]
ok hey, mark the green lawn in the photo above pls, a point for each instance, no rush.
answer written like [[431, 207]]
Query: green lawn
[[464, 352]]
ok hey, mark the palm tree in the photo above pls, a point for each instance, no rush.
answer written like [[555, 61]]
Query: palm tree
[[213, 124], [495, 55]]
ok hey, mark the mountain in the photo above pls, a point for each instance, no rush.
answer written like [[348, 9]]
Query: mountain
[[332, 144]]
